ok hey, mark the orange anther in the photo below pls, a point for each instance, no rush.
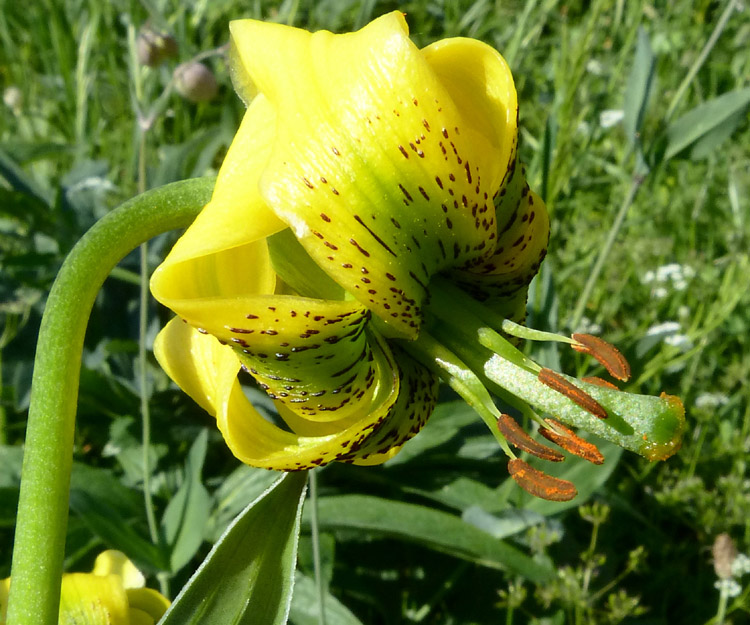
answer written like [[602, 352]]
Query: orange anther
[[606, 353], [592, 379], [571, 442], [517, 437], [540, 484], [558, 383]]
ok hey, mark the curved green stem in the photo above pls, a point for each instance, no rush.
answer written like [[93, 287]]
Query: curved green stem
[[43, 504]]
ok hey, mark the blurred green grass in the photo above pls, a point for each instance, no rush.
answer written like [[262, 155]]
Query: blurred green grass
[[69, 152]]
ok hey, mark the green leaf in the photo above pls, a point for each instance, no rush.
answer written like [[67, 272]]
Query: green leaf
[[708, 124], [239, 488], [463, 493], [8, 506], [638, 88], [186, 515], [507, 523], [432, 528], [305, 611], [109, 510], [19, 180], [247, 577], [116, 531]]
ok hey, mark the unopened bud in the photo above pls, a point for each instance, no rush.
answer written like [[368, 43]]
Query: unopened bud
[[154, 47], [13, 99], [195, 82], [724, 552]]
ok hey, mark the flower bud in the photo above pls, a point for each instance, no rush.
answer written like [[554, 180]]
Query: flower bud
[[724, 552], [154, 47], [195, 82]]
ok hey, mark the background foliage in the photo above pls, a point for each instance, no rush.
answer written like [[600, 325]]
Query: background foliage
[[438, 535]]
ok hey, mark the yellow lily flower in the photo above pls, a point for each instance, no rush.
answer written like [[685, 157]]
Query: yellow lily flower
[[112, 594], [371, 189]]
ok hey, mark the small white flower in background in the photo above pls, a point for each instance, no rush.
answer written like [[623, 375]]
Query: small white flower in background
[[594, 67], [586, 326], [92, 183], [611, 117], [741, 565], [667, 328], [728, 587], [13, 99], [669, 333], [680, 341], [672, 276], [709, 401]]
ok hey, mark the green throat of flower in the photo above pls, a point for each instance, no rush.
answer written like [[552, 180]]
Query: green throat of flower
[[468, 346]]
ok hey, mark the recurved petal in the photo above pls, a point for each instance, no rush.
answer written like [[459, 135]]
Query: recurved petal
[[88, 599], [207, 371], [312, 355], [383, 177], [223, 252], [481, 85], [196, 362], [147, 603], [416, 400], [502, 279], [112, 562]]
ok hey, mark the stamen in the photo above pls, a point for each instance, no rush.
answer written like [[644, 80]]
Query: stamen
[[540, 484], [592, 379], [606, 353], [571, 442], [558, 383], [519, 438]]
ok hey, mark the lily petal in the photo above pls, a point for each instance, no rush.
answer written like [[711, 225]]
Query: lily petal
[[502, 280], [229, 232], [207, 371], [112, 562], [377, 170], [87, 599], [149, 604]]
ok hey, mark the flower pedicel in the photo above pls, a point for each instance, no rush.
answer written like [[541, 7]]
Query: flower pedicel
[[371, 233]]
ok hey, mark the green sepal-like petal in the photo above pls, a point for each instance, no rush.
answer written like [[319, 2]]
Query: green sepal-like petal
[[207, 371], [383, 177]]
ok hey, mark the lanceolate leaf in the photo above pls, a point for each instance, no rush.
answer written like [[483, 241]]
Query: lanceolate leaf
[[247, 577], [187, 513], [638, 88], [435, 529], [105, 522], [706, 119], [305, 609]]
